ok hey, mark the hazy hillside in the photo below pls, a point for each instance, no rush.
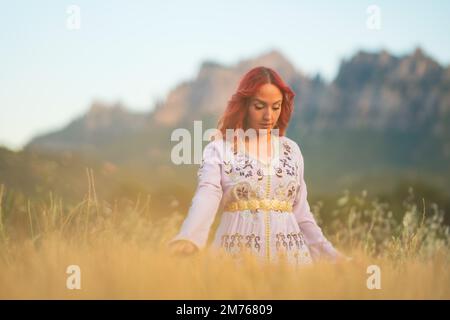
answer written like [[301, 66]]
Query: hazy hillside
[[395, 109]]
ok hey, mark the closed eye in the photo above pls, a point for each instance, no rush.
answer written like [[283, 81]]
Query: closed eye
[[260, 105]]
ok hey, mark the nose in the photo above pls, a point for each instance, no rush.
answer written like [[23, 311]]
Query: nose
[[268, 114]]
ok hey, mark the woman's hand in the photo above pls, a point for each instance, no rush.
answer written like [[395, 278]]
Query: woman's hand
[[183, 248]]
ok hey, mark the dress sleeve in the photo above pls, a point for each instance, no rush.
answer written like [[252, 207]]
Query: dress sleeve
[[319, 246], [206, 200]]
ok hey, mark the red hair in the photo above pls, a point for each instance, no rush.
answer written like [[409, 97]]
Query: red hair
[[235, 115]]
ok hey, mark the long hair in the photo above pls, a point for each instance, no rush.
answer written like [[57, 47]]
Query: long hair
[[235, 115]]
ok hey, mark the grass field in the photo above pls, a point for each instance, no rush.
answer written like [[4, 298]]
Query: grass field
[[121, 253]]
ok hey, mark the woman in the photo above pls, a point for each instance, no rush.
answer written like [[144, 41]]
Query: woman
[[263, 193]]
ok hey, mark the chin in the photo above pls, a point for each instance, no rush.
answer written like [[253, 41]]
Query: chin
[[266, 128]]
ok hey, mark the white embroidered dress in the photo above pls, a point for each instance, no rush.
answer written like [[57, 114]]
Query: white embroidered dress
[[265, 207]]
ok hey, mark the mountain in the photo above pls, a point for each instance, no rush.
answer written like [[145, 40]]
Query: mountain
[[383, 91], [381, 115], [100, 125], [209, 92], [371, 90]]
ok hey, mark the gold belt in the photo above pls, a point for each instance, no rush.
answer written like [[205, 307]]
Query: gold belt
[[264, 204]]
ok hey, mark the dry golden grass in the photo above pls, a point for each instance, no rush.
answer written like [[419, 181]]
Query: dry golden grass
[[122, 255]]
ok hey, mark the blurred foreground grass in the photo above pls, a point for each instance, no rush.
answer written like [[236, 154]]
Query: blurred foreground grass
[[121, 251]]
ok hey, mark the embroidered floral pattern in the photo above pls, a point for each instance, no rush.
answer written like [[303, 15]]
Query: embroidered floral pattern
[[289, 241], [248, 176], [234, 243], [242, 191], [244, 166], [289, 246], [285, 164], [292, 247], [287, 191], [227, 167], [200, 169]]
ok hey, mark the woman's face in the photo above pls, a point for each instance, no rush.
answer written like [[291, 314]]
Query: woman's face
[[265, 108]]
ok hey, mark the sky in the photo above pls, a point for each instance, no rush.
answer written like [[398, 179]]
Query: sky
[[57, 57]]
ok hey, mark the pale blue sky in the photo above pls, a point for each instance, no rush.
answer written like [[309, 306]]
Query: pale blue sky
[[136, 51]]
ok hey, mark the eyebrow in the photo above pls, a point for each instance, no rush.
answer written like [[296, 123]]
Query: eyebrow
[[265, 103]]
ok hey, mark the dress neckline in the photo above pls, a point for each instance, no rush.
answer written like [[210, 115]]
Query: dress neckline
[[273, 139]]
